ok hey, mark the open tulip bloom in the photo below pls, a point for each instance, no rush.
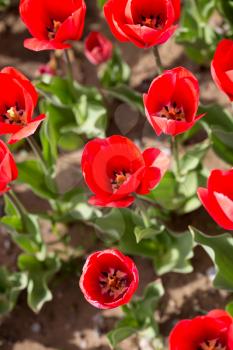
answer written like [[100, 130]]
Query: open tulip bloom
[[18, 100], [217, 198], [222, 67], [211, 332], [172, 101], [109, 279], [52, 23], [145, 23], [8, 169], [114, 168]]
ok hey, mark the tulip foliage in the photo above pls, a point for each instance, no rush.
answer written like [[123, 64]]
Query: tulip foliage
[[130, 191]]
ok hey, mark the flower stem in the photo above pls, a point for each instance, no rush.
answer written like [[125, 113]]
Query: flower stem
[[175, 152], [16, 202], [69, 66], [36, 150], [158, 60]]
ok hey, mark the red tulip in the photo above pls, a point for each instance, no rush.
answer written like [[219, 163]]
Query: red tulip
[[98, 48], [52, 22], [211, 332], [18, 99], [109, 279], [222, 67], [217, 198], [114, 168], [8, 169], [146, 23], [172, 102]]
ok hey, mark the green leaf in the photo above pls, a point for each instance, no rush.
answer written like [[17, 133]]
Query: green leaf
[[227, 9], [147, 233], [11, 284], [196, 33], [51, 131], [216, 117], [229, 308], [119, 334], [138, 314], [128, 95], [58, 90], [111, 226], [193, 157], [39, 274], [175, 251], [101, 3], [223, 144], [70, 141], [169, 251], [220, 249], [91, 116], [30, 173], [115, 72]]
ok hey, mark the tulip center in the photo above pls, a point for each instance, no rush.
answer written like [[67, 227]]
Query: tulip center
[[53, 28], [172, 112], [113, 283], [14, 115], [211, 345], [118, 179], [155, 22]]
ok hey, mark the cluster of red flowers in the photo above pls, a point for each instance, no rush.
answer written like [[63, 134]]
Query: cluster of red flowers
[[114, 168]]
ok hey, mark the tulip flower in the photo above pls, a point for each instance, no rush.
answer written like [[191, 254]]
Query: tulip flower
[[52, 23], [114, 168], [217, 198], [98, 49], [172, 101], [211, 332], [109, 279], [145, 23], [18, 100], [222, 67]]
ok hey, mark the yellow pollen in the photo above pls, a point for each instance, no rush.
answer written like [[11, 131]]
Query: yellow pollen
[[53, 29], [15, 115], [120, 179], [212, 345]]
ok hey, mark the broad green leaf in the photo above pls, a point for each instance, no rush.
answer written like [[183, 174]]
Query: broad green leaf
[[174, 253], [91, 117], [168, 251], [119, 334], [111, 226], [220, 249], [51, 130], [223, 144], [128, 95], [31, 174], [147, 233], [138, 314], [115, 72], [229, 308], [216, 116], [166, 193], [58, 89], [193, 157], [39, 275], [11, 284]]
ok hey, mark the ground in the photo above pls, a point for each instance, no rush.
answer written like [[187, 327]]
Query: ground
[[68, 322]]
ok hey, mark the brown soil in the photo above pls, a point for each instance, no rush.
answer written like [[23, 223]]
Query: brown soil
[[68, 322]]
